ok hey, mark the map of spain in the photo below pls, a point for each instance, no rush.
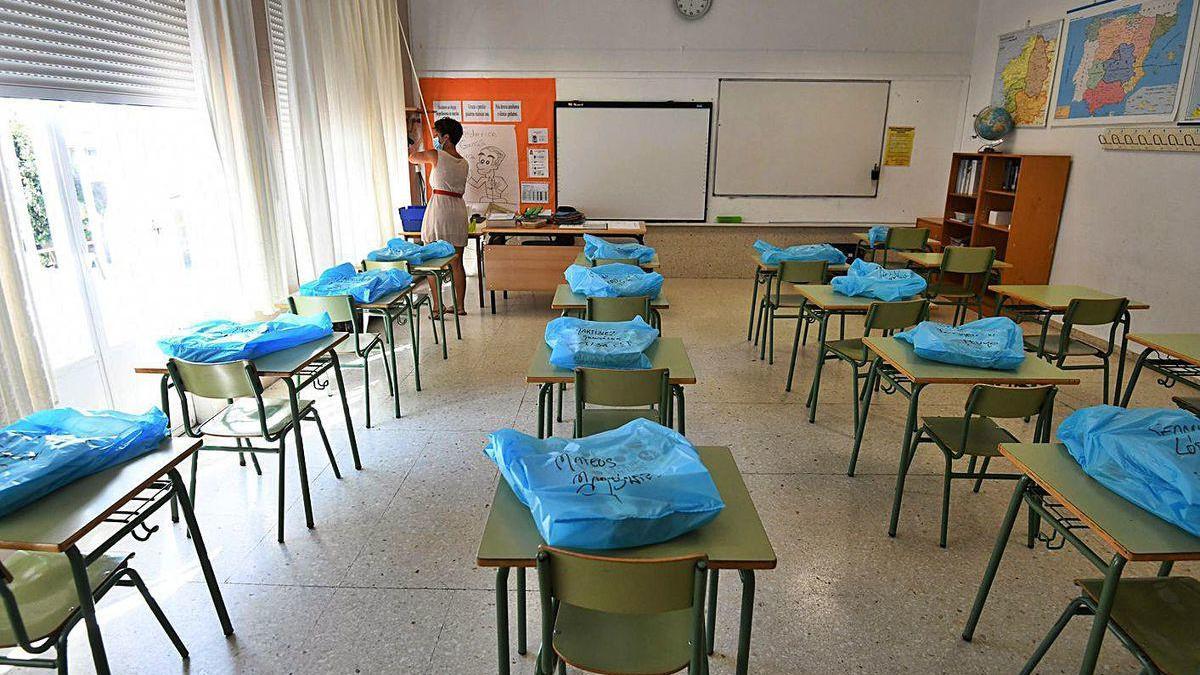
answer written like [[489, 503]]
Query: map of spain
[[1124, 59], [1024, 71]]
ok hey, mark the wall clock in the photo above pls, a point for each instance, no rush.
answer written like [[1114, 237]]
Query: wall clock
[[692, 9]]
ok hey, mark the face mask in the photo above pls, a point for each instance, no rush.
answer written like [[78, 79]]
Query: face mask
[[437, 143]]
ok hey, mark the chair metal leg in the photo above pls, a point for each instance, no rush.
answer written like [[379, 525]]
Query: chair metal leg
[[817, 368], [771, 337], [192, 480], [282, 483], [367, 386], [795, 349], [337, 374], [982, 470], [87, 607], [1106, 380], [157, 611], [328, 448], [753, 305], [945, 501], [1075, 608], [907, 450]]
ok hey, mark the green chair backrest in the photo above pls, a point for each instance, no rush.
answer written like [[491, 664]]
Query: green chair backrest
[[892, 316], [989, 400], [621, 585], [401, 265], [906, 238], [600, 386], [337, 306], [235, 379], [802, 271], [609, 261], [968, 259], [618, 309], [1094, 312]]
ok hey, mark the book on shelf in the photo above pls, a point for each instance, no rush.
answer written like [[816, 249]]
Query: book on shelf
[[1012, 171], [969, 171]]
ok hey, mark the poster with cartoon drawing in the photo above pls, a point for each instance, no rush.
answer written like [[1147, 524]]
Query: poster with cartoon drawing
[[491, 151]]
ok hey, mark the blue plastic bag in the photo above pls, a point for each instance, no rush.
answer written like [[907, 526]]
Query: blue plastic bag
[[1149, 456], [361, 286], [412, 252], [877, 234], [773, 255], [631, 486], [595, 247], [614, 280], [995, 342], [576, 343], [221, 341], [870, 280], [51, 448]]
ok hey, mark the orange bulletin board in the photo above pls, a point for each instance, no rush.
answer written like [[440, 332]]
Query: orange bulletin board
[[493, 100]]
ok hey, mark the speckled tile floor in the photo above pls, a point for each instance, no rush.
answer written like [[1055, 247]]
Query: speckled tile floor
[[387, 583]]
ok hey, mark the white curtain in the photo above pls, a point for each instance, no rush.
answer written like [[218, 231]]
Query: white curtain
[[226, 60], [346, 81], [24, 374]]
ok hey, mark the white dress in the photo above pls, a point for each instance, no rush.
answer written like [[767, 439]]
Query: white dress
[[446, 216]]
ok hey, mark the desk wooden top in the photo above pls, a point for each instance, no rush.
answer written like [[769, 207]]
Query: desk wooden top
[[833, 269], [1182, 346], [666, 352], [637, 230], [654, 264], [283, 363], [55, 522], [1055, 297], [735, 539], [1130, 530], [417, 235], [386, 301], [900, 355], [564, 299], [827, 299], [432, 264], [929, 259]]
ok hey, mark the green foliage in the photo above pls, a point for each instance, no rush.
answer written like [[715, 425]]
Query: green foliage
[[31, 184]]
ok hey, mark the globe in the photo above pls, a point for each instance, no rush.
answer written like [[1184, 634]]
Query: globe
[[993, 123]]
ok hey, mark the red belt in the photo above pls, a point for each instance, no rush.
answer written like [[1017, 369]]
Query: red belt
[[447, 193]]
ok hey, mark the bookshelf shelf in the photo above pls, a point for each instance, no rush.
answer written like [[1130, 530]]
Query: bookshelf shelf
[[962, 195], [1002, 193]]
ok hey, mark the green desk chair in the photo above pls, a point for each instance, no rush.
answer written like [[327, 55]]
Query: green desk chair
[[619, 309], [886, 317], [1056, 347], [974, 264], [976, 434], [1154, 617], [790, 272], [904, 239], [624, 261], [42, 604], [246, 415], [356, 352], [418, 299], [618, 390], [621, 616]]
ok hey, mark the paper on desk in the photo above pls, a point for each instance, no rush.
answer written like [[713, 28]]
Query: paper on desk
[[619, 224]]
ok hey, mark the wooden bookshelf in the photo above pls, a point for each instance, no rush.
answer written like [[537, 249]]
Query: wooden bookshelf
[[1032, 187]]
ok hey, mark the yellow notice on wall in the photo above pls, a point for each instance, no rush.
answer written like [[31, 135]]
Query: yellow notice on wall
[[898, 146]]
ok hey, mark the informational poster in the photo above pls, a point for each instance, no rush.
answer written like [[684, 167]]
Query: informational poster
[[477, 111], [451, 109], [524, 108], [898, 146], [506, 111], [538, 162], [491, 152], [535, 193]]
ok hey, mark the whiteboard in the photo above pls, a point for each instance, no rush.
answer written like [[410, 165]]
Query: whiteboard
[[799, 138], [625, 160]]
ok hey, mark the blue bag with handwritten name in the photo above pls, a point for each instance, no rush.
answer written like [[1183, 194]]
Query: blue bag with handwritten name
[[614, 280], [220, 341], [632, 486], [870, 280], [995, 342], [620, 345], [361, 286], [44, 451], [877, 234], [411, 252], [773, 255], [1149, 456], [595, 247]]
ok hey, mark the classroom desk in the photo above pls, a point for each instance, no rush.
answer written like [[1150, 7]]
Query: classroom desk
[[476, 237], [538, 268], [1046, 301], [1175, 356], [666, 352], [932, 260], [439, 269], [654, 263], [824, 302], [909, 374], [124, 495], [1058, 491], [734, 540], [763, 274], [389, 307], [298, 367]]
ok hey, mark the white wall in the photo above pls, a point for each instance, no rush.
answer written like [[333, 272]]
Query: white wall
[[642, 50], [1132, 218]]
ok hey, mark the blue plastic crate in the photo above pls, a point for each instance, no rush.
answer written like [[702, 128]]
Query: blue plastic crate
[[411, 217]]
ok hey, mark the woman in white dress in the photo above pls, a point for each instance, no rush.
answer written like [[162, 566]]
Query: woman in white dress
[[446, 213]]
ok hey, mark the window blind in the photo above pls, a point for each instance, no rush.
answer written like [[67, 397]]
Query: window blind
[[108, 51], [279, 66]]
